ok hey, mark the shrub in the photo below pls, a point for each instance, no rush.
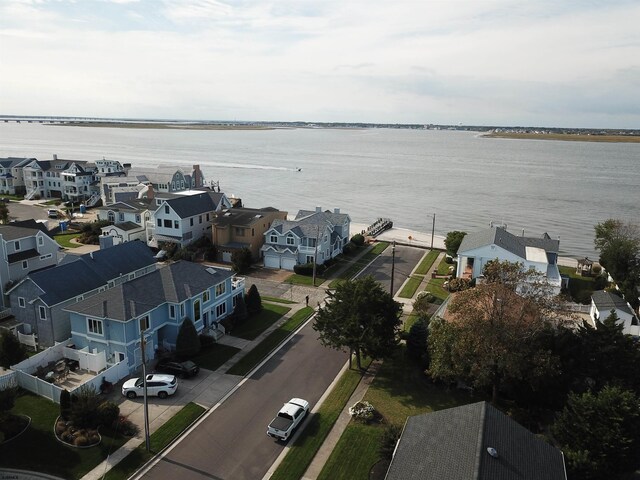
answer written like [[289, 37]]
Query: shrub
[[362, 411], [240, 312], [11, 350], [84, 407], [596, 270], [349, 248], [600, 282], [458, 284], [108, 412], [253, 300], [61, 426], [306, 269], [187, 343], [81, 441], [125, 426], [358, 239], [65, 404], [388, 441], [241, 260]]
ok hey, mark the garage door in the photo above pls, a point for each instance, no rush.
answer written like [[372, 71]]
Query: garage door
[[272, 261], [288, 263]]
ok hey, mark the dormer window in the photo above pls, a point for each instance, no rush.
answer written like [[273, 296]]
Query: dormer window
[[290, 240], [273, 239]]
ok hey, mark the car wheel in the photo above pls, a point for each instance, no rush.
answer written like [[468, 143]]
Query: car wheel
[[131, 394], [162, 395]]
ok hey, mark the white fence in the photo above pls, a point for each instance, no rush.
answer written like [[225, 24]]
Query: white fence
[[8, 380], [29, 340], [576, 307], [39, 386]]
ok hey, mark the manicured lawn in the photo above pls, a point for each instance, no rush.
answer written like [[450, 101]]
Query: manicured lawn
[[316, 429], [38, 450], [443, 267], [400, 389], [408, 323], [64, 240], [296, 279], [410, 286], [358, 265], [158, 440], [255, 356], [580, 287], [276, 300], [215, 356], [435, 286], [427, 262], [255, 325]]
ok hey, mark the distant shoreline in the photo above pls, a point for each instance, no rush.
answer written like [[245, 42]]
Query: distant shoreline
[[160, 126], [567, 137]]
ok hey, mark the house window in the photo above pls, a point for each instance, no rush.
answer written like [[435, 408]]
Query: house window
[[79, 298], [325, 238], [21, 302], [172, 311], [205, 296], [220, 289], [44, 257], [239, 231], [137, 218], [42, 312], [235, 300], [221, 310], [290, 240], [176, 224], [311, 242], [40, 241], [196, 310], [273, 239], [182, 309], [121, 217], [253, 232], [16, 245], [167, 224], [166, 209], [207, 217], [159, 222], [191, 222], [25, 264], [199, 218], [144, 323], [309, 258], [94, 326]]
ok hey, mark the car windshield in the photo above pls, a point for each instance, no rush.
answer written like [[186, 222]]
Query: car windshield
[[188, 364], [139, 382], [285, 415]]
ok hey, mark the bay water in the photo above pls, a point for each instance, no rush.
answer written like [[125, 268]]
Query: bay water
[[466, 180]]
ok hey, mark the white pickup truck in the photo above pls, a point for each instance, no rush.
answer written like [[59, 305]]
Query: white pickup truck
[[288, 418]]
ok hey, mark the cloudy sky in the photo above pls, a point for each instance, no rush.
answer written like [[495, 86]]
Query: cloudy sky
[[550, 63]]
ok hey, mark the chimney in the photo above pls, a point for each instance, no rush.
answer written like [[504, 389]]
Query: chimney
[[104, 308], [55, 156], [336, 210], [196, 177], [318, 209], [150, 193]]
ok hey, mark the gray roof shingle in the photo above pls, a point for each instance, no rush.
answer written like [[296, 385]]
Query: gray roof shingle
[[452, 444], [608, 301], [189, 205], [512, 243]]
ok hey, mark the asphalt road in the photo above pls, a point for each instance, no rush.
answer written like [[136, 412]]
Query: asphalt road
[[20, 211], [406, 259], [232, 442]]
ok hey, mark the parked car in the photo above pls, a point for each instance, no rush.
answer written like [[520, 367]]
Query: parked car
[[157, 385], [52, 213], [179, 369], [288, 418]]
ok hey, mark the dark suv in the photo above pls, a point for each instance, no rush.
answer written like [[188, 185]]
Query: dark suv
[[179, 369]]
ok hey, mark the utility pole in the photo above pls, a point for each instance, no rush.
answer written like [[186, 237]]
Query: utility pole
[[433, 229], [143, 346], [315, 255], [393, 266]]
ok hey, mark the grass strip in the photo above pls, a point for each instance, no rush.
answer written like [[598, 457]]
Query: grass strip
[[276, 300], [215, 356], [435, 287], [296, 279], [266, 346], [161, 438], [318, 426], [443, 266], [64, 240], [427, 262], [359, 264], [410, 286], [253, 326]]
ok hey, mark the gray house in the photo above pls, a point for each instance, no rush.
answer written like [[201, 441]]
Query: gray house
[[472, 442], [24, 247], [39, 299]]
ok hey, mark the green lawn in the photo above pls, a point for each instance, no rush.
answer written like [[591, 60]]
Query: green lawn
[[427, 262], [162, 437], [38, 450], [215, 356], [410, 286], [64, 240], [443, 266], [408, 323], [317, 428], [580, 287], [277, 300], [275, 338], [359, 264], [296, 279], [256, 324], [435, 286], [400, 389]]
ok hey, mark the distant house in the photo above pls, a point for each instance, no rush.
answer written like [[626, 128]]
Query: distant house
[[478, 248], [602, 303], [472, 442], [129, 219], [40, 299], [156, 304], [311, 235], [185, 218], [11, 176], [24, 249], [238, 227]]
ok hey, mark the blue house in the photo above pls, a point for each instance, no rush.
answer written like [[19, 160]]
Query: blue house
[[157, 304]]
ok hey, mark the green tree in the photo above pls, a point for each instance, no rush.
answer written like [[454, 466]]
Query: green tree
[[11, 350], [417, 343], [84, 408], [65, 404], [599, 433], [188, 342], [240, 312], [253, 300], [423, 304], [4, 213], [358, 239], [361, 316], [452, 241], [241, 260]]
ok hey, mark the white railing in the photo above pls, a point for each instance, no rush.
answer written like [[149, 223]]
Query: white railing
[[8, 380], [576, 307]]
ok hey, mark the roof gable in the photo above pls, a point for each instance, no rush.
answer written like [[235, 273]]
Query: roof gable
[[500, 237]]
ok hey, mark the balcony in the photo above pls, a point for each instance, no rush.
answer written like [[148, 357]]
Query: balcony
[[237, 283]]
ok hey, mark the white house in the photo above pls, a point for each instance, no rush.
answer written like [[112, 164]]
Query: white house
[[478, 248], [311, 235], [129, 219], [603, 302]]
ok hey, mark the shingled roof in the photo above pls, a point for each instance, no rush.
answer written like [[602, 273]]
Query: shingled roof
[[173, 283], [606, 301], [189, 205], [512, 243], [453, 444]]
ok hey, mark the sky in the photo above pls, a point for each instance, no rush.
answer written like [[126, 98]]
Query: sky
[[491, 62]]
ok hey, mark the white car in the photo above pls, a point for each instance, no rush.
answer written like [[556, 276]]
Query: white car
[[157, 385], [288, 418]]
